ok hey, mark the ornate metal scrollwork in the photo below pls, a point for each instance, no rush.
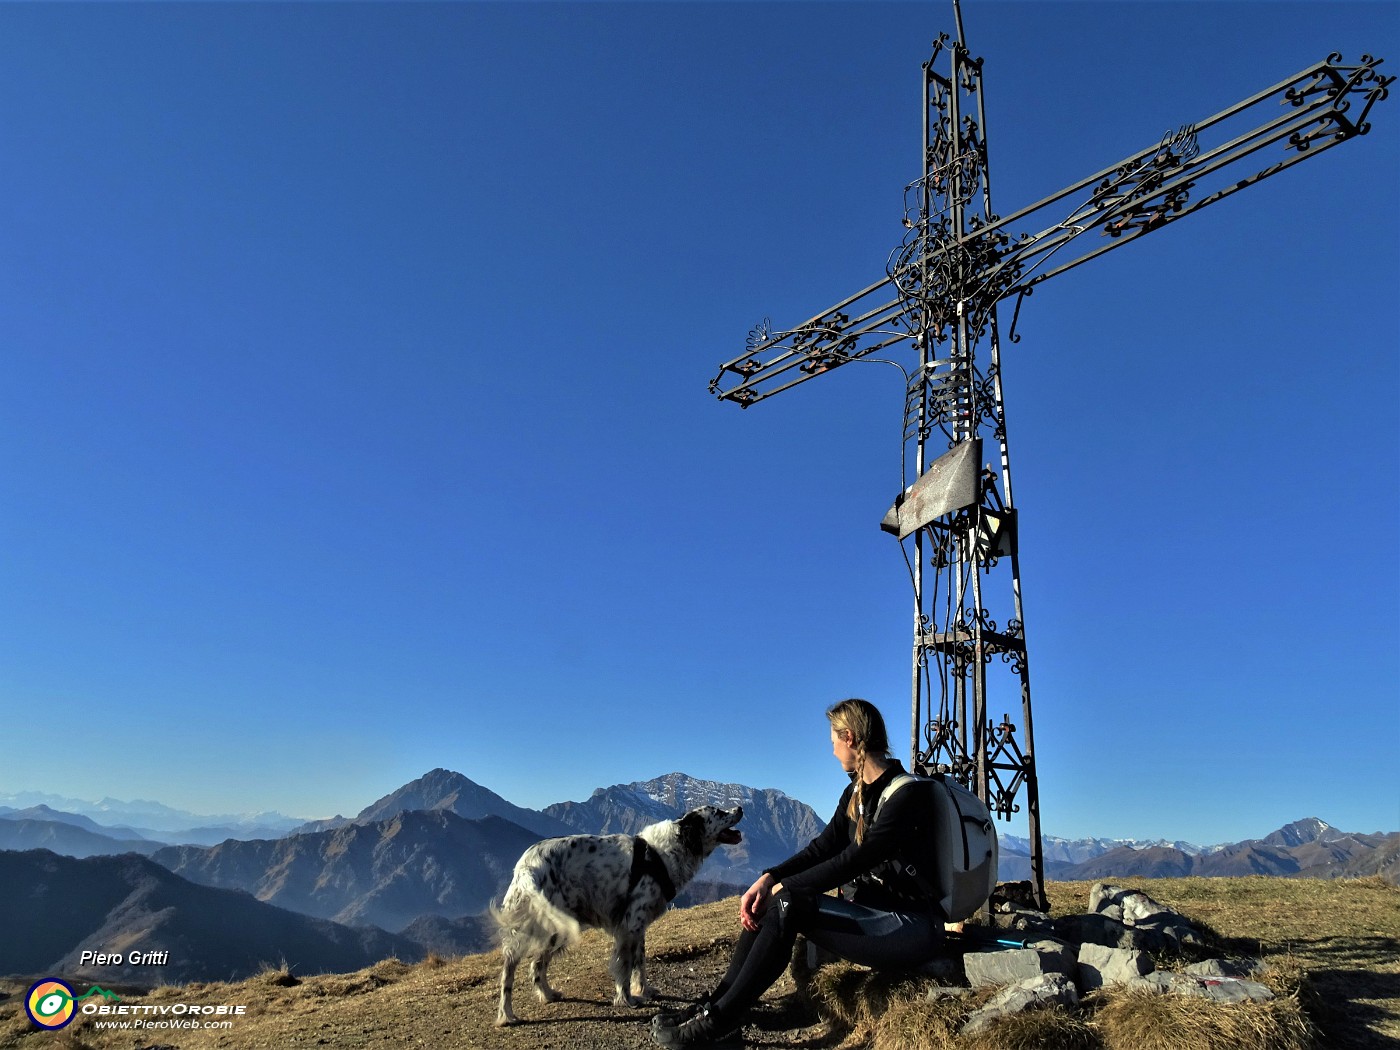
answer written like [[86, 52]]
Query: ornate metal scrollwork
[[944, 751], [759, 334], [943, 550], [1378, 89], [1014, 654], [1150, 215], [1325, 129], [968, 619], [745, 397], [1325, 80], [1135, 194]]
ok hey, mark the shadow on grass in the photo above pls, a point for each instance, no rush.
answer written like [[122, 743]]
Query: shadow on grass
[[792, 1022], [1349, 982]]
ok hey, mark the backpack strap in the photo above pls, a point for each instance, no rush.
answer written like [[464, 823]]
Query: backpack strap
[[921, 880], [893, 786]]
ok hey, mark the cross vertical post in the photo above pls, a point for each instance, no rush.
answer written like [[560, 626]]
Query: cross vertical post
[[956, 508]]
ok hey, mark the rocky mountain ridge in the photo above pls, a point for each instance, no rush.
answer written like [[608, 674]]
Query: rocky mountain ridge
[[384, 873], [442, 789]]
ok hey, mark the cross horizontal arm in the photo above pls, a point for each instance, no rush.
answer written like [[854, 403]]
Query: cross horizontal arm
[[831, 338], [1158, 186], [1140, 194]]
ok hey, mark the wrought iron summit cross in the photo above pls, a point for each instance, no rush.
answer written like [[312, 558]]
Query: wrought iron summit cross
[[939, 297]]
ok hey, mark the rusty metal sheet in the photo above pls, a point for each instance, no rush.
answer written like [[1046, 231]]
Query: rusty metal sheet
[[949, 485]]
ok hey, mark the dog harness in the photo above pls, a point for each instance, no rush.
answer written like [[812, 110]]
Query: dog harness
[[646, 861]]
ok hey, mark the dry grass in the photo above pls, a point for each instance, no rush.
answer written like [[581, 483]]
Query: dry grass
[[1333, 950], [1053, 1029], [917, 1024], [884, 1013], [1134, 1020], [858, 998]]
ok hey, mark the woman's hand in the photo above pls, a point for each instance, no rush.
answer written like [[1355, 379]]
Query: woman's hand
[[754, 902]]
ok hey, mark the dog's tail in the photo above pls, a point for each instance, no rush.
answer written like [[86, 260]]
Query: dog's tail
[[528, 923]]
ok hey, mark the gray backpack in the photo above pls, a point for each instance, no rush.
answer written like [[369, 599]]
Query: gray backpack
[[966, 848]]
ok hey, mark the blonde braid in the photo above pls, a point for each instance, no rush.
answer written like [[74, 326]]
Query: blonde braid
[[856, 810]]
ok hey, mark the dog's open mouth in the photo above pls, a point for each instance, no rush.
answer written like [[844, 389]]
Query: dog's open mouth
[[731, 836]]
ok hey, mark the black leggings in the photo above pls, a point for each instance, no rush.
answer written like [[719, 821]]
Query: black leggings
[[863, 935]]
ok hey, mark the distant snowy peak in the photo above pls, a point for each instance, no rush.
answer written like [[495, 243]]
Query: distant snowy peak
[[1309, 829], [620, 798], [677, 791], [142, 807], [1076, 851], [664, 797]]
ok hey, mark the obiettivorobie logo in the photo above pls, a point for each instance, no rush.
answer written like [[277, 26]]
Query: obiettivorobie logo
[[51, 1003]]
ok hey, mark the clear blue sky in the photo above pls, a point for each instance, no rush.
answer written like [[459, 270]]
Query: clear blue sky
[[354, 416]]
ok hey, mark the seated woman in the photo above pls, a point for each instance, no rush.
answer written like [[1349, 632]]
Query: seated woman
[[889, 922]]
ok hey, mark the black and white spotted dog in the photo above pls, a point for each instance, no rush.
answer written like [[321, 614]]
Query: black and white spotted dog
[[621, 883]]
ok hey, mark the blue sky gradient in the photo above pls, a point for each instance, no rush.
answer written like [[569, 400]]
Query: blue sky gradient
[[354, 413]]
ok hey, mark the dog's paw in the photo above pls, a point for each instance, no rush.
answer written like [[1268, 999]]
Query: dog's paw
[[504, 1020], [547, 994]]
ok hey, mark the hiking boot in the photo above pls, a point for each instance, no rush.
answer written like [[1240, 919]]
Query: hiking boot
[[673, 1018], [705, 1030]]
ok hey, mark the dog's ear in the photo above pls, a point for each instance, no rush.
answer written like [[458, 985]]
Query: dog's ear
[[692, 831]]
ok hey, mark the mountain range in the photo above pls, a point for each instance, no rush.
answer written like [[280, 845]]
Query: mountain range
[[383, 873], [425, 861], [1303, 849], [71, 834], [155, 820]]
